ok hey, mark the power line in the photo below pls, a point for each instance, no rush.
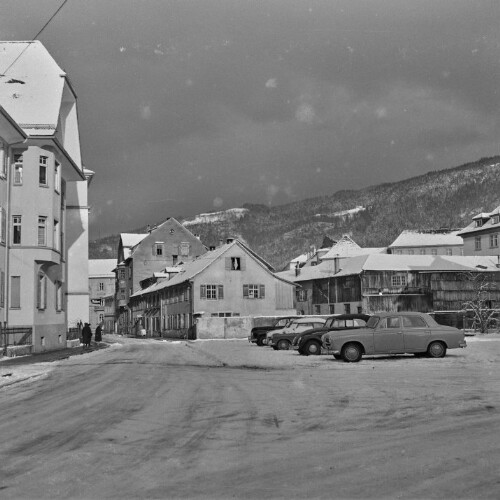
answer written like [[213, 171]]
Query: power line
[[36, 36]]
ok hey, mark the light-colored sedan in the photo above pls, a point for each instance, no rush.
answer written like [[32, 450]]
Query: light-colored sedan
[[395, 333]]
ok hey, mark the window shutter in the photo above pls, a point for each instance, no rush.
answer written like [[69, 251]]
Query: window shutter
[[203, 291], [245, 291], [39, 293], [228, 263], [242, 264], [44, 305], [220, 294], [262, 291]]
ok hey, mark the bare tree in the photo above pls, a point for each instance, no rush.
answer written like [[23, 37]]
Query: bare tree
[[480, 288]]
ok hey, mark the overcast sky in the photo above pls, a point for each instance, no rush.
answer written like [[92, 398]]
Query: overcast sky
[[190, 106]]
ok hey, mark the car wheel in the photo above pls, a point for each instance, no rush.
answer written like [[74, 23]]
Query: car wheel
[[436, 350], [337, 356], [312, 348], [351, 353], [283, 345], [260, 341]]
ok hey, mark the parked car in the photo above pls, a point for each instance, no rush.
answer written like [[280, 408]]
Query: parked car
[[395, 333], [258, 333], [309, 342], [282, 339]]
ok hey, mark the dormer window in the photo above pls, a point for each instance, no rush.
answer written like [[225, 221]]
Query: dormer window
[[479, 222], [495, 219]]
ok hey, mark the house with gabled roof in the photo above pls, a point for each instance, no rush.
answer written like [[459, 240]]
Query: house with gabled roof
[[141, 255], [384, 282], [482, 235], [231, 280], [46, 282], [429, 242]]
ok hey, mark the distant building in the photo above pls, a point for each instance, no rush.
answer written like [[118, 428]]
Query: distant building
[[141, 255], [231, 280], [101, 285], [481, 236], [43, 197], [435, 242]]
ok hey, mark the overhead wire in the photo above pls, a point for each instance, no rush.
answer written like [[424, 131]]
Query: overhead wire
[[35, 37]]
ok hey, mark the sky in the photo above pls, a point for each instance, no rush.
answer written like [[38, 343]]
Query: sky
[[191, 106]]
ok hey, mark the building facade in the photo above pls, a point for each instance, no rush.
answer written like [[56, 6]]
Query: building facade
[[101, 285], [141, 255], [482, 235], [229, 281], [44, 199]]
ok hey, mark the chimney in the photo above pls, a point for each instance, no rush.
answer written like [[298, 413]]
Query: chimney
[[229, 240], [149, 228], [297, 269]]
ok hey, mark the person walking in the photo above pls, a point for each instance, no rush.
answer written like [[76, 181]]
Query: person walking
[[98, 333], [86, 335]]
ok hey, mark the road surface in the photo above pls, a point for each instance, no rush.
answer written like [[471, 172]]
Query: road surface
[[227, 419]]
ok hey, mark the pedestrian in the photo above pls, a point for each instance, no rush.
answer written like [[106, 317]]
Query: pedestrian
[[98, 333], [86, 335]]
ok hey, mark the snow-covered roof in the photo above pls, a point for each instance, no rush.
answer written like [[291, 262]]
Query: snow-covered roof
[[31, 86], [346, 247], [487, 224], [10, 131], [421, 263], [101, 268], [130, 240], [195, 267], [410, 238]]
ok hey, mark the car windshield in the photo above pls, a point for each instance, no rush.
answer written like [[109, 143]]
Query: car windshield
[[372, 322]]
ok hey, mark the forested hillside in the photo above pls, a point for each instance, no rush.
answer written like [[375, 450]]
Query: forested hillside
[[373, 216]]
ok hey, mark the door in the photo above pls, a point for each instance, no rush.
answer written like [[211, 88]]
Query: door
[[416, 333], [388, 336]]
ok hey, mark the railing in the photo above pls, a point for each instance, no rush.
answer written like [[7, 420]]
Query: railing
[[15, 335]]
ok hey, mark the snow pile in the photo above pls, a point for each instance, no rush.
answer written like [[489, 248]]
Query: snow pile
[[230, 214]]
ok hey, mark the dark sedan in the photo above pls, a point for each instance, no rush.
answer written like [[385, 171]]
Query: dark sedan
[[309, 342]]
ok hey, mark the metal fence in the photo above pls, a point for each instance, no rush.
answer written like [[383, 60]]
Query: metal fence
[[15, 335]]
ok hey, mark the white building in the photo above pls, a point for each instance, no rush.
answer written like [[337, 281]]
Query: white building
[[45, 203]]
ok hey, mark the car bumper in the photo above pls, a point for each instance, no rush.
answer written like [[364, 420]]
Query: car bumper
[[462, 344]]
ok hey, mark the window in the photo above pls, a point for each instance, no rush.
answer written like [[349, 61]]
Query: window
[[301, 295], [434, 251], [422, 251], [41, 293], [42, 231], [493, 240], [3, 166], [414, 322], [495, 219], [16, 229], [3, 224], [121, 274], [158, 249], [55, 238], [477, 243], [101, 286], [411, 251], [347, 308], [15, 292], [479, 222], [59, 296], [398, 252], [57, 176], [393, 322], [235, 263], [212, 292], [449, 251], [18, 170], [2, 289], [123, 294], [101, 317], [42, 171], [184, 248], [254, 291], [398, 280]]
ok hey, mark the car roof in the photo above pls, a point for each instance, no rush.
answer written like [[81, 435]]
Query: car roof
[[400, 313]]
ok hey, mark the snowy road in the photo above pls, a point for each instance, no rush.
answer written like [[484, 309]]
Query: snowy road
[[226, 419]]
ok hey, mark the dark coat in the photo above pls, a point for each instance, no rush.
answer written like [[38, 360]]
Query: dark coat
[[98, 334], [86, 334]]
